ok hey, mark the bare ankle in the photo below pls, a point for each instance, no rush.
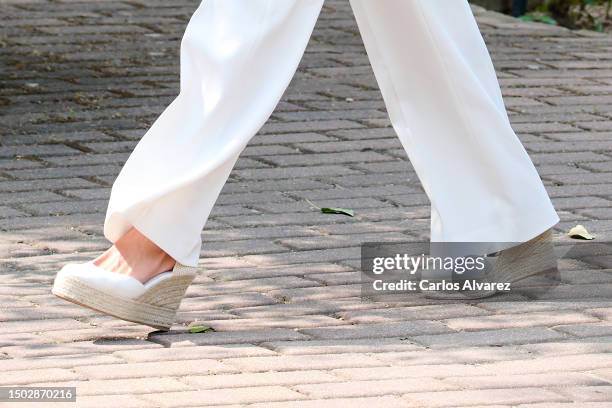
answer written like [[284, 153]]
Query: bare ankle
[[135, 255]]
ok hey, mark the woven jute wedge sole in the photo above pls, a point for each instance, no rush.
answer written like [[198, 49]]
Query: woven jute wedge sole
[[534, 257], [156, 307], [530, 258], [460, 295]]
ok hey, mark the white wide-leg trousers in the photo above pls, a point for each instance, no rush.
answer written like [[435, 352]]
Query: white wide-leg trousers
[[436, 77]]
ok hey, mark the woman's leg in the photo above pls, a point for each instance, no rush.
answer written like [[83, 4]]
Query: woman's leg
[[445, 103], [237, 58]]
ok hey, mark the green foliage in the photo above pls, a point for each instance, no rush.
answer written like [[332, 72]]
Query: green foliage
[[200, 329], [539, 18], [577, 14]]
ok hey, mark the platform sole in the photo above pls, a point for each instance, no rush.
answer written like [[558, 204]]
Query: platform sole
[[148, 313]]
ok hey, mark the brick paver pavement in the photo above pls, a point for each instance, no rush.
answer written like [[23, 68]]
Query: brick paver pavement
[[82, 80]]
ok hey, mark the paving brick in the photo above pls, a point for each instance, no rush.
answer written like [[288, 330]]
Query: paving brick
[[35, 185], [564, 158], [433, 312], [66, 207], [251, 285], [335, 346], [605, 374], [602, 313], [590, 345], [490, 397], [18, 163], [372, 388], [327, 242], [583, 362], [298, 322], [294, 171], [94, 333], [233, 337], [286, 185], [31, 196], [578, 136], [320, 255], [67, 362], [325, 158], [76, 348], [260, 379], [413, 371], [123, 386], [589, 393], [489, 337], [587, 330], [289, 138], [385, 401], [153, 369], [22, 377], [458, 355], [40, 150], [192, 353], [245, 395], [63, 172], [103, 401], [580, 202], [519, 320], [309, 126], [309, 362], [263, 271], [400, 329], [41, 325], [8, 212], [501, 381], [544, 127], [245, 299]]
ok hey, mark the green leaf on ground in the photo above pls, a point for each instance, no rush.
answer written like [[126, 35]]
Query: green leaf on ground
[[343, 211], [580, 232], [200, 329], [538, 18]]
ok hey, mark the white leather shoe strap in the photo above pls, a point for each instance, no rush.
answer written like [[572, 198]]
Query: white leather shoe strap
[[101, 279]]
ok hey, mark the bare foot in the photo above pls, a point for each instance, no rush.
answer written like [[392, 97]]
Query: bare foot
[[135, 255]]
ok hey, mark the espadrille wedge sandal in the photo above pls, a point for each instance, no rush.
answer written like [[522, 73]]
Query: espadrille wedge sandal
[[534, 257], [153, 303], [530, 258]]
